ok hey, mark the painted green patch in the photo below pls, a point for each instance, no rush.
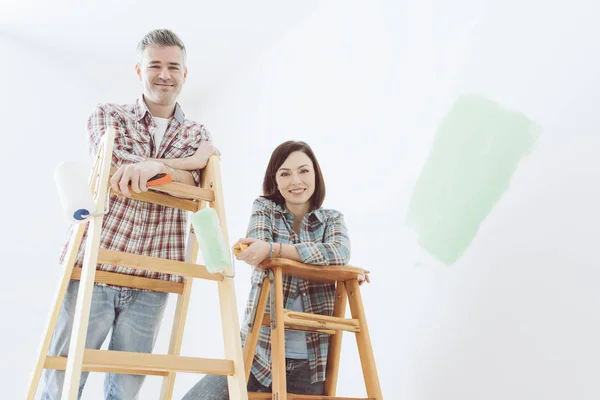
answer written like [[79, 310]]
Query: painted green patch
[[476, 151]]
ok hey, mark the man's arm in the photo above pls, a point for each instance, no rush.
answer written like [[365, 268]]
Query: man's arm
[[134, 169], [179, 175], [191, 163]]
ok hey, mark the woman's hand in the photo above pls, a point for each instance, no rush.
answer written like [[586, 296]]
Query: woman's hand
[[362, 278], [256, 253]]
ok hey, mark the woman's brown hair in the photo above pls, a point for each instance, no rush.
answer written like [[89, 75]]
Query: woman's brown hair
[[278, 157]]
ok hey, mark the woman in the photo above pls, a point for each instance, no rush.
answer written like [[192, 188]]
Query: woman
[[288, 222]]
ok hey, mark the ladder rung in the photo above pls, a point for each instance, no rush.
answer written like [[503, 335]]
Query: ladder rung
[[292, 396], [163, 199], [131, 281], [156, 264], [177, 189], [144, 364], [320, 321], [182, 190], [267, 322]]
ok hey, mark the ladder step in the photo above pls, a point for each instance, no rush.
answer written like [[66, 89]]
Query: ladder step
[[156, 264], [174, 194], [292, 396], [315, 323], [314, 273], [164, 199], [182, 190], [267, 322], [130, 281], [144, 364], [320, 321]]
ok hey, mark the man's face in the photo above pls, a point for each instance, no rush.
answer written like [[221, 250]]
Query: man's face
[[162, 73]]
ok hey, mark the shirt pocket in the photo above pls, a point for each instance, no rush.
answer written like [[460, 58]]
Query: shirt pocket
[[138, 146], [182, 146]]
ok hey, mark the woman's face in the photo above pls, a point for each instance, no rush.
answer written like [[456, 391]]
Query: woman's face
[[296, 179]]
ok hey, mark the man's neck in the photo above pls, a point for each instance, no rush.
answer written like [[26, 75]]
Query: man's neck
[[158, 110]]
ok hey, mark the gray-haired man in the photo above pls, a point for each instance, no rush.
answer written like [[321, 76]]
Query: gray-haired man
[[152, 137]]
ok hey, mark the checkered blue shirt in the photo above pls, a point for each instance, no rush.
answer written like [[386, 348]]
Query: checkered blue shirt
[[323, 240]]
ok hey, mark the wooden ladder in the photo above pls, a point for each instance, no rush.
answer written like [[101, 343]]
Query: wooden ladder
[[347, 290], [177, 195]]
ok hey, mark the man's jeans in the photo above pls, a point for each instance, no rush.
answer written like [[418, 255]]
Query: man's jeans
[[214, 387], [134, 316]]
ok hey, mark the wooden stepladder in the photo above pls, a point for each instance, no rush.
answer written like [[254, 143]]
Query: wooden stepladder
[[177, 195], [347, 291]]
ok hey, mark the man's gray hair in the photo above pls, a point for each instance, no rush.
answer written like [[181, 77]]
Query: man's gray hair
[[161, 38]]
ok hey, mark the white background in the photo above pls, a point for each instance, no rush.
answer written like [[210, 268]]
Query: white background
[[366, 85]]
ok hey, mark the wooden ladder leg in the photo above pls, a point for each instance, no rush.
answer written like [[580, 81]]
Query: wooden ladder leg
[[363, 341], [183, 300], [278, 340], [254, 332], [59, 296], [231, 335], [335, 342], [236, 383], [88, 273]]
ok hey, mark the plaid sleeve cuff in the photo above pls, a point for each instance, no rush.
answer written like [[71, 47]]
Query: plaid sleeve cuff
[[309, 254]]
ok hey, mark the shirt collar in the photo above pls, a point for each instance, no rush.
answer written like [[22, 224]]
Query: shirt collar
[[141, 110], [318, 213]]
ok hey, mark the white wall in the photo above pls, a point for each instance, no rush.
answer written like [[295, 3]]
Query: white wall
[[366, 84]]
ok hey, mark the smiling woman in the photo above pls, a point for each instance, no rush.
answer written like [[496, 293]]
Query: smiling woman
[[289, 222]]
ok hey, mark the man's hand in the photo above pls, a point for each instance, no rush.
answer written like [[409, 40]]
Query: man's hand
[[257, 251], [204, 152], [136, 175]]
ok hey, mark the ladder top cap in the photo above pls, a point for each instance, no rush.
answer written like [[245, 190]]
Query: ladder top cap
[[315, 273]]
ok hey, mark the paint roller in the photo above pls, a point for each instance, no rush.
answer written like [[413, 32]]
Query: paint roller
[[76, 198], [211, 241], [74, 192]]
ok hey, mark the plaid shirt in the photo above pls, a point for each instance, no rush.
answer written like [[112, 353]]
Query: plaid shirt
[[134, 226], [323, 240]]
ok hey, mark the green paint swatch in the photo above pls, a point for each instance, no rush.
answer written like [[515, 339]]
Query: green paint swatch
[[476, 151]]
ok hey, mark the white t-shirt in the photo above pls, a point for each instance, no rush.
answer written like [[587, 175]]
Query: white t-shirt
[[161, 128]]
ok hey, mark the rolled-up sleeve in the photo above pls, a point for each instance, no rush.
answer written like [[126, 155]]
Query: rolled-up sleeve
[[260, 222], [335, 248], [204, 136], [124, 148]]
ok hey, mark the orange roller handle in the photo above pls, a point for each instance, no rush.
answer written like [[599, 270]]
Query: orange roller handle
[[160, 179], [239, 248]]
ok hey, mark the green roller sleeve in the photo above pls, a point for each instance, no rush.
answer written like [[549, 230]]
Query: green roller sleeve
[[211, 241]]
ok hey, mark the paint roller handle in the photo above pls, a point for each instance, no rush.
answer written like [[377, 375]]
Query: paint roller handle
[[158, 179], [238, 248]]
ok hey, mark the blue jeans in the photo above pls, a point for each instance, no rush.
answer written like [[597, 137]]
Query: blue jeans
[[134, 317], [214, 387]]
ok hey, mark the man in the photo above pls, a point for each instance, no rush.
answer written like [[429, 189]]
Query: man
[[152, 136]]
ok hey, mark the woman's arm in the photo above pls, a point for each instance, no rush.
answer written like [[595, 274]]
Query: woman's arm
[[334, 250], [258, 235]]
